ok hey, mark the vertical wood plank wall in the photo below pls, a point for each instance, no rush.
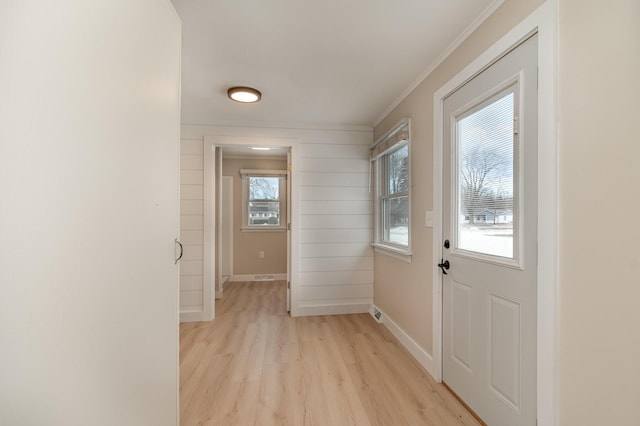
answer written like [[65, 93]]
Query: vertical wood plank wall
[[333, 217]]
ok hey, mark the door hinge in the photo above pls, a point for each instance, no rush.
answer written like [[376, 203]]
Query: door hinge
[[289, 285]]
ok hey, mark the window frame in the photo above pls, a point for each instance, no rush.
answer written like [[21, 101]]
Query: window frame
[[281, 175], [380, 153]]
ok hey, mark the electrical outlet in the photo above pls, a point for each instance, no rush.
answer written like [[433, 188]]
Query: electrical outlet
[[261, 255]]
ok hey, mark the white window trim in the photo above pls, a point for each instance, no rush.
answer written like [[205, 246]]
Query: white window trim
[[245, 174], [380, 246]]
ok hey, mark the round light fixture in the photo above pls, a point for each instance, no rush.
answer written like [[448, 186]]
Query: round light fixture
[[244, 94]]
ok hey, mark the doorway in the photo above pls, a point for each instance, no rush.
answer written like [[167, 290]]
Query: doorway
[[489, 265], [247, 218]]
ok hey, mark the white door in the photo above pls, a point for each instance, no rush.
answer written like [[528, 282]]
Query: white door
[[489, 244], [89, 134]]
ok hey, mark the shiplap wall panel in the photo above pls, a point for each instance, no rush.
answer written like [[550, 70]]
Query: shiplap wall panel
[[191, 283], [191, 192], [333, 179], [336, 207], [336, 277], [334, 165], [335, 215], [319, 264], [353, 221], [190, 299], [193, 238], [318, 250], [336, 236], [337, 292], [191, 147], [332, 193], [191, 162], [192, 253], [191, 224], [191, 177], [191, 267], [327, 150], [189, 207]]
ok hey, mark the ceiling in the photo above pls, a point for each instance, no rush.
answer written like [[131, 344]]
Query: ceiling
[[317, 63]]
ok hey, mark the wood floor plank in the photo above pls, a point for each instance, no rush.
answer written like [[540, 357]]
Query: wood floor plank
[[256, 365]]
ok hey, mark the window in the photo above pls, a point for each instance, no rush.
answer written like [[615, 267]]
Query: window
[[264, 194], [391, 158]]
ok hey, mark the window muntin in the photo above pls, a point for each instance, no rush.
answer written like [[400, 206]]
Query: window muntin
[[392, 167]]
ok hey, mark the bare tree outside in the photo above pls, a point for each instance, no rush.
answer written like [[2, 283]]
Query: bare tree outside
[[483, 172], [263, 188], [486, 155]]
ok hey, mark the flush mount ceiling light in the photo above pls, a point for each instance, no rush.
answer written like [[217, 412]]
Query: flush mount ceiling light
[[261, 148], [244, 94]]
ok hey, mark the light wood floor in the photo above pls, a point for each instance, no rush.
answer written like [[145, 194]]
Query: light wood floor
[[255, 365]]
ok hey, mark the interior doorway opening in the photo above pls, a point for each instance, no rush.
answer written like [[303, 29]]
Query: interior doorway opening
[[247, 236]]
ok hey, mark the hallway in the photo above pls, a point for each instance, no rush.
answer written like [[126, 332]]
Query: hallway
[[254, 364]]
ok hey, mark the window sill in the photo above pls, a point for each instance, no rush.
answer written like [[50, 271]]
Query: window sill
[[265, 229], [404, 255]]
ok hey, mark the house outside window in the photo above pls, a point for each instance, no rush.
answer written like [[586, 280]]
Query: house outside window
[[391, 161], [263, 199]]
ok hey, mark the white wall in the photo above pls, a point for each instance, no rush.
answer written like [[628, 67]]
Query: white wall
[[332, 260], [599, 91], [191, 228]]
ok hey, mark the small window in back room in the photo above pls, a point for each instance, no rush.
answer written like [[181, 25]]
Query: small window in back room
[[263, 199]]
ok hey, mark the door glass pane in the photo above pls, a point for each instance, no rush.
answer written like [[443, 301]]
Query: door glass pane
[[396, 220], [486, 211]]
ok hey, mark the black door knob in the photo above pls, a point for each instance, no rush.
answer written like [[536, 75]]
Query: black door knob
[[444, 265]]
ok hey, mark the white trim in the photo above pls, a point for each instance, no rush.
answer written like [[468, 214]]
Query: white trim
[[192, 316], [441, 58], [544, 20], [229, 182], [285, 126], [422, 356], [245, 173], [257, 277], [332, 309], [209, 236], [257, 228], [396, 253]]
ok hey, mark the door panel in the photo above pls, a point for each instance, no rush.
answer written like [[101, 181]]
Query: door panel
[[490, 217], [89, 135]]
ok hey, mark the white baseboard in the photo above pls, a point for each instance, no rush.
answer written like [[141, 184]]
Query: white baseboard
[[422, 356], [219, 294], [192, 316], [333, 309], [258, 277]]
